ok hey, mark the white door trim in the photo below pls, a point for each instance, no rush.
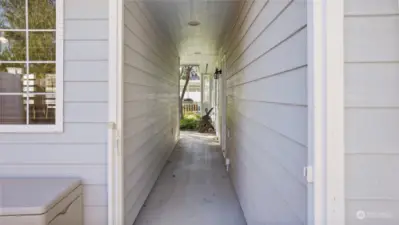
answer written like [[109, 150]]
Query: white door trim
[[179, 104], [326, 197], [115, 114], [335, 146], [203, 100], [223, 105]]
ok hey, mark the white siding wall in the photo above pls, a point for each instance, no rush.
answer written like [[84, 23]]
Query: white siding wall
[[80, 151], [151, 73], [267, 110], [372, 111]]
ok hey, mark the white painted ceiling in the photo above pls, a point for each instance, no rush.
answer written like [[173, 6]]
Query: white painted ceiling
[[216, 17]]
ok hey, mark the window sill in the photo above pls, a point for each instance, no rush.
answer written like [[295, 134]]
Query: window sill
[[31, 128]]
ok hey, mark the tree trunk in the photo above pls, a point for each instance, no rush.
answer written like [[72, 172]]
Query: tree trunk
[[180, 101], [184, 90]]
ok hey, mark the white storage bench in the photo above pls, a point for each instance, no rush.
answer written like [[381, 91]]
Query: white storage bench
[[41, 201]]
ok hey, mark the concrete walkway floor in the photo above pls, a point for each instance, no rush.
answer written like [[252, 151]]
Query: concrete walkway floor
[[193, 189]]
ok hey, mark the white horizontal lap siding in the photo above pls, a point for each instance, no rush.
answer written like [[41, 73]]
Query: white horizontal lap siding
[[372, 111], [150, 105], [267, 110], [80, 151]]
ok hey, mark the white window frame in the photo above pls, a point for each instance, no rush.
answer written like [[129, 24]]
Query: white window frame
[[58, 127]]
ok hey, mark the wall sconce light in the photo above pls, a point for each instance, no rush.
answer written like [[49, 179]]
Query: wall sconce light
[[217, 73]]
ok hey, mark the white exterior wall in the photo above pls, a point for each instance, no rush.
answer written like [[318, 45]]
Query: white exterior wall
[[372, 111], [151, 86], [80, 151], [267, 110]]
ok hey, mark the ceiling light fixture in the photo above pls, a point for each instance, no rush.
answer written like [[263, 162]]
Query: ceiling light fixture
[[194, 23]]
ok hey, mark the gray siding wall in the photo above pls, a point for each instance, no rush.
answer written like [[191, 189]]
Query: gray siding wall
[[80, 151], [151, 75], [267, 110], [372, 111]]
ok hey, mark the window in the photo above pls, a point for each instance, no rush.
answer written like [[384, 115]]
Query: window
[[31, 65]]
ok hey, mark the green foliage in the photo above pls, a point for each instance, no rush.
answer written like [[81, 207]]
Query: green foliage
[[190, 121], [42, 15], [192, 115]]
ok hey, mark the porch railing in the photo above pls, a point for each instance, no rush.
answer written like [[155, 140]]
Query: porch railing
[[190, 107]]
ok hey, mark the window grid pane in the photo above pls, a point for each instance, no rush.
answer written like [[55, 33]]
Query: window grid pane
[[42, 46], [42, 108], [13, 14], [41, 14], [12, 78], [27, 37], [13, 110]]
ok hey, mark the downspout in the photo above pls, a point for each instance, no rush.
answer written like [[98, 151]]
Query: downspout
[[115, 186], [315, 172], [326, 177]]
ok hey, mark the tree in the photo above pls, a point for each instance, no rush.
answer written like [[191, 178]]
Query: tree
[[41, 15], [187, 78]]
